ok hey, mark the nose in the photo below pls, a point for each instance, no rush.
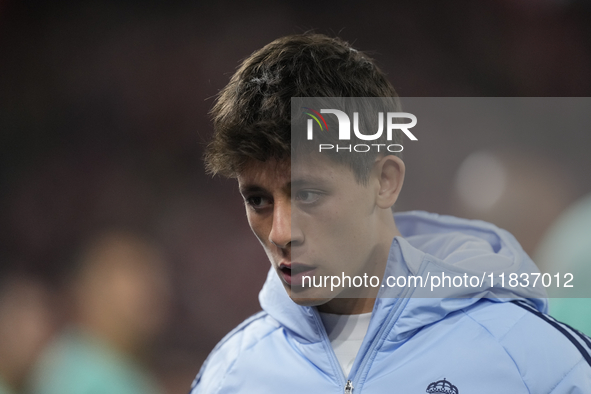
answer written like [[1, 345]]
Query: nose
[[280, 234]]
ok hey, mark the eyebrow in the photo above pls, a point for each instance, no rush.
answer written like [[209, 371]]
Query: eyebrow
[[254, 188], [247, 189], [308, 180]]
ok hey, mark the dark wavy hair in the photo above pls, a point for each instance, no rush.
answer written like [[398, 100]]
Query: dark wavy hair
[[251, 116]]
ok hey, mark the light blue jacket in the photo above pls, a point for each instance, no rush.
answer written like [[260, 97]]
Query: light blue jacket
[[467, 340]]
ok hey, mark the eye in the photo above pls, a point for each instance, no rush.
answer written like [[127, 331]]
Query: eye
[[307, 196], [258, 202]]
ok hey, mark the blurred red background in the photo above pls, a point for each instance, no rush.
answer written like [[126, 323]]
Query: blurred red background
[[104, 117]]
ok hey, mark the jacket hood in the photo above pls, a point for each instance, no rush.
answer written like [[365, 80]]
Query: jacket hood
[[432, 247]]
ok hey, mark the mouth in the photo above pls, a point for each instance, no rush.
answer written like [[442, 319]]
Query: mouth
[[292, 273]]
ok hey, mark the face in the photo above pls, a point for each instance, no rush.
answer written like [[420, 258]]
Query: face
[[314, 219]]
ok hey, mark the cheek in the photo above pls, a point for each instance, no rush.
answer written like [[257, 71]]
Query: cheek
[[341, 235], [259, 226], [338, 225]]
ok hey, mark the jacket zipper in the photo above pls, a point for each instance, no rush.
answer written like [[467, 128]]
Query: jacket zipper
[[348, 387], [348, 382]]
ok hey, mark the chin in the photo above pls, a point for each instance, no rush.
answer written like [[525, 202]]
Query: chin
[[309, 301], [305, 297]]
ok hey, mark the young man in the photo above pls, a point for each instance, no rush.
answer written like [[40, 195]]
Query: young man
[[322, 216]]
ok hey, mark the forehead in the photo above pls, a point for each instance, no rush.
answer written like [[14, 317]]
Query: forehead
[[265, 173], [311, 168]]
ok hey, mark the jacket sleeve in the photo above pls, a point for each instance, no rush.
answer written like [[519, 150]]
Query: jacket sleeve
[[221, 359], [576, 381], [568, 350]]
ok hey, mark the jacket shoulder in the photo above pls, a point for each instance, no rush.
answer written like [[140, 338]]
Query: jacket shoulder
[[226, 352], [548, 354]]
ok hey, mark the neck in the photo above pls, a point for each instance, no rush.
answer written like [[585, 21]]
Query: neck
[[348, 306], [363, 301]]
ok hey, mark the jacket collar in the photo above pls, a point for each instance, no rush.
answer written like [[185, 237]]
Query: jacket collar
[[431, 244]]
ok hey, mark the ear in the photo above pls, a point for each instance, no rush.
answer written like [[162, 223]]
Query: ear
[[390, 175]]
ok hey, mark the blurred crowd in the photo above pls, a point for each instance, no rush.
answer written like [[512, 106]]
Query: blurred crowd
[[112, 303], [122, 263]]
